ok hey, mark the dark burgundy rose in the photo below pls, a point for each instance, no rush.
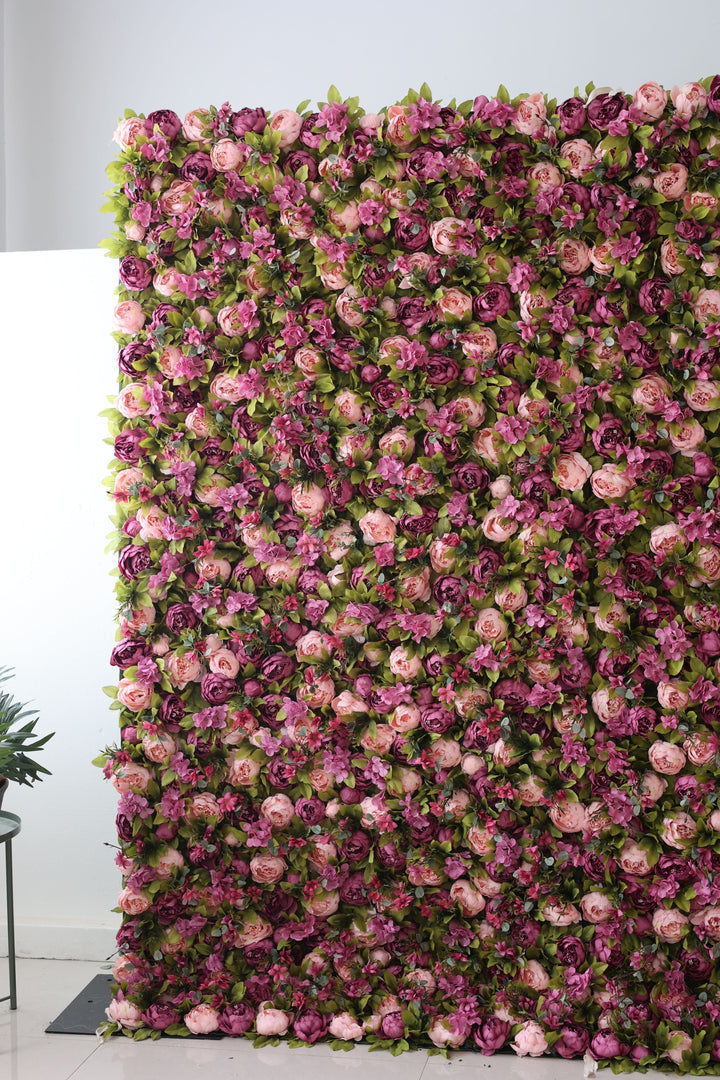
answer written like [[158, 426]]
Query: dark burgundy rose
[[414, 312], [419, 524], [571, 951], [645, 219], [160, 1016], [213, 453], [486, 562], [525, 934], [653, 612], [512, 156], [299, 159], [168, 907], [492, 303], [696, 965], [575, 676], [168, 122], [436, 719], [640, 568], [441, 370], [683, 493], [608, 435], [713, 97], [312, 454], [130, 354], [537, 485], [613, 663], [434, 444], [311, 1026], [133, 560], [571, 114], [340, 490], [709, 642], [491, 1034], [573, 1042], [578, 295], [356, 847], [448, 589], [281, 774], [476, 735], [572, 439], [309, 580], [509, 394], [128, 652], [350, 796], [385, 393], [655, 296], [236, 1019], [308, 136], [278, 905], [217, 689], [127, 445], [244, 424], [198, 166], [257, 956], [411, 231], [676, 866], [202, 856], [180, 617], [259, 988], [310, 811], [354, 889], [185, 399], [575, 193], [507, 353], [171, 712], [135, 273], [605, 108], [513, 692], [277, 667], [245, 120], [435, 665], [124, 827], [389, 857], [393, 1026], [377, 273]]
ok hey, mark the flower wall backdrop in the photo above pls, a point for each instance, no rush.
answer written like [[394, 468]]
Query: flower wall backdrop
[[416, 470]]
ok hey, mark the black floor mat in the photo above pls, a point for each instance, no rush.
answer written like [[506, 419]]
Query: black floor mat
[[86, 1012]]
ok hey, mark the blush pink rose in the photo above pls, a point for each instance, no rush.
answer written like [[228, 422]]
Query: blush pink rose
[[130, 776], [678, 830], [579, 153], [670, 925], [267, 869], [650, 99], [377, 527], [470, 900], [663, 538], [666, 758], [134, 696], [573, 256], [269, 1021], [530, 1040], [133, 902], [687, 436], [454, 304], [442, 235], [308, 499], [530, 115], [288, 123], [344, 1026], [671, 182], [130, 402], [204, 805], [251, 931], [182, 670], [703, 395], [403, 663], [498, 528], [546, 175], [202, 1019], [534, 975], [279, 810], [568, 816], [634, 859], [129, 317], [689, 99], [596, 907], [573, 471], [124, 1013], [313, 647], [323, 904], [609, 483], [491, 625]]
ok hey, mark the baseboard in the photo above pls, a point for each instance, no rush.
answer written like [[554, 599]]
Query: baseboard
[[66, 941]]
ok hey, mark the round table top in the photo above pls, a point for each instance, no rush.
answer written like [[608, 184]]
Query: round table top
[[10, 825]]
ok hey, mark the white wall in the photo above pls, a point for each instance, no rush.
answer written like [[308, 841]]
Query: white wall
[[73, 66], [57, 602]]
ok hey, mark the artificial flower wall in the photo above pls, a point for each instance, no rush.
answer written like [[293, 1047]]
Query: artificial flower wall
[[415, 471]]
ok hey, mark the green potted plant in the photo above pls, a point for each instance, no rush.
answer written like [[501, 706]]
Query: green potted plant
[[18, 739]]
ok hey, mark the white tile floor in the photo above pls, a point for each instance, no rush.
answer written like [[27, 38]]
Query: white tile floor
[[45, 987]]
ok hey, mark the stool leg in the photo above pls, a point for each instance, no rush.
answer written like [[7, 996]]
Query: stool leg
[[10, 924]]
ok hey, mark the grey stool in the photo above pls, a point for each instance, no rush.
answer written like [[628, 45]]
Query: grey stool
[[10, 825]]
